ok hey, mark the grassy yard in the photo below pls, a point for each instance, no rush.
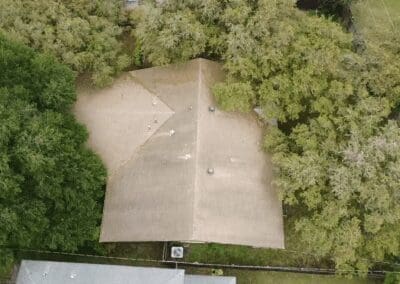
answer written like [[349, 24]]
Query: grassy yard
[[371, 16], [240, 255], [5, 273]]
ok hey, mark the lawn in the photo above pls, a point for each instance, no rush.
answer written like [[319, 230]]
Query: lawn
[[241, 255], [371, 16], [5, 273]]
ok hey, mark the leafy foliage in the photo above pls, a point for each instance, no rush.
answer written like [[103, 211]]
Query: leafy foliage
[[392, 278], [336, 149], [183, 38], [82, 34], [235, 96], [50, 184]]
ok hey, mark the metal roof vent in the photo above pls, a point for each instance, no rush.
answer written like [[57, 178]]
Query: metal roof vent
[[210, 171], [176, 252], [211, 109]]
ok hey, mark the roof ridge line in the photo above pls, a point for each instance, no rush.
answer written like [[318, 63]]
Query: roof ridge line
[[196, 163]]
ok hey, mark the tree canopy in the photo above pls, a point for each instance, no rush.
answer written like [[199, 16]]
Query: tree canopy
[[51, 185], [336, 146], [81, 33]]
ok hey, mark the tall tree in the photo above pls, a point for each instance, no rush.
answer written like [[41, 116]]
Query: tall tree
[[51, 185]]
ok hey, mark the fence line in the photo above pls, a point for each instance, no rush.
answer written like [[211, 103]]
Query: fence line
[[176, 263], [165, 254]]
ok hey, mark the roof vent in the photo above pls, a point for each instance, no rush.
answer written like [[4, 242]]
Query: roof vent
[[210, 171], [171, 132], [211, 109], [176, 252]]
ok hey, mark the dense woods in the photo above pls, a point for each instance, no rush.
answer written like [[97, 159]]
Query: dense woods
[[80, 33], [336, 147], [51, 185]]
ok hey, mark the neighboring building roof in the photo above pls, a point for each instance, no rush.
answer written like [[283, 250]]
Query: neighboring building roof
[[200, 279], [51, 272], [132, 4], [154, 130]]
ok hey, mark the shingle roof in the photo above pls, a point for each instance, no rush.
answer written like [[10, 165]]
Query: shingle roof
[[158, 138]]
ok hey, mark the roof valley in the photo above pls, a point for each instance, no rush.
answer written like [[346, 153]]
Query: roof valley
[[171, 112], [151, 90]]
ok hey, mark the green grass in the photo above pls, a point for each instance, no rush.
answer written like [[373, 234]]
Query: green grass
[[151, 250], [374, 16], [269, 277], [5, 272], [241, 255], [292, 256], [6, 264]]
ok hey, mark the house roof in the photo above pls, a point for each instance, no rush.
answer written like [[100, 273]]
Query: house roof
[[201, 279], [51, 272], [154, 130]]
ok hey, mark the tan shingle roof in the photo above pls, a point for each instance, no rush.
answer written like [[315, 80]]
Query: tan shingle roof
[[158, 139]]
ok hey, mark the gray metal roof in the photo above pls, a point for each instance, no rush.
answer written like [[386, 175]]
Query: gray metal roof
[[154, 130], [49, 272], [201, 279]]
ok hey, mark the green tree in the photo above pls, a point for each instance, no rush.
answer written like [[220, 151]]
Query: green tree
[[51, 185], [169, 35], [82, 34]]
